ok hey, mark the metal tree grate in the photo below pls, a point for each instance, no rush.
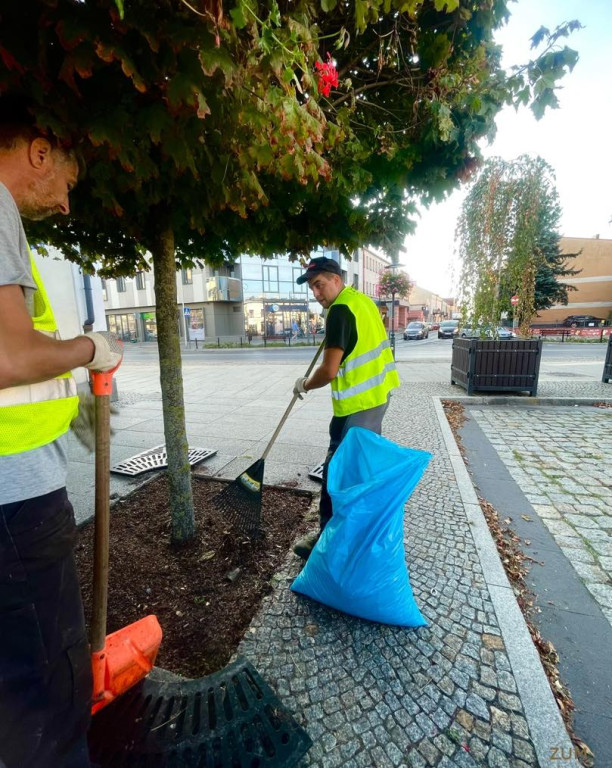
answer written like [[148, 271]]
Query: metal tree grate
[[317, 473], [156, 458], [230, 719]]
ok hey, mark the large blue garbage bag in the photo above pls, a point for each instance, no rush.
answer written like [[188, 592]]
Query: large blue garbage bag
[[358, 565]]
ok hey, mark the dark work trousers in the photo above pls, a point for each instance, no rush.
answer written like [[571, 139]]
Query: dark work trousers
[[338, 427], [45, 664]]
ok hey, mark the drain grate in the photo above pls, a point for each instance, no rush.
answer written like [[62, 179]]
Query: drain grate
[[156, 458], [317, 473], [230, 719]]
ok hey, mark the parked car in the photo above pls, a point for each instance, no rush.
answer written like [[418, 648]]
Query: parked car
[[416, 330], [448, 329], [581, 321], [485, 332]]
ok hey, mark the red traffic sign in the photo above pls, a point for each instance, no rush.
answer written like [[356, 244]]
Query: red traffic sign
[[514, 300]]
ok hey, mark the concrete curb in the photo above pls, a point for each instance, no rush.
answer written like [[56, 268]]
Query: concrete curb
[[545, 723], [526, 401]]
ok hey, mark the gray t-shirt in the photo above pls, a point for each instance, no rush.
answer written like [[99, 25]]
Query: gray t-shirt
[[33, 473]]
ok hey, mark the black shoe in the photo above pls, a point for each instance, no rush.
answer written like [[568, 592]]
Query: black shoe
[[304, 546]]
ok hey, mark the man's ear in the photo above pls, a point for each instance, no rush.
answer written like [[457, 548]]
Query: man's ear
[[39, 152]]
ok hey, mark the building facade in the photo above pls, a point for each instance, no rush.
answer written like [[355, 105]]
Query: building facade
[[593, 294], [428, 306], [255, 297], [209, 304], [76, 300]]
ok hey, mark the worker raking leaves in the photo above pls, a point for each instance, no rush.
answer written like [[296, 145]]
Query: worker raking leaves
[[45, 667], [357, 362]]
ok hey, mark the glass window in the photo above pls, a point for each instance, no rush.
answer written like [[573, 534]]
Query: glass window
[[195, 324], [297, 271], [187, 276], [252, 288], [104, 293], [150, 326], [270, 278], [123, 326], [251, 269], [121, 285], [140, 283]]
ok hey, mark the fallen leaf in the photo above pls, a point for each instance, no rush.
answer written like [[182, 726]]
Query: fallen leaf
[[526, 517]]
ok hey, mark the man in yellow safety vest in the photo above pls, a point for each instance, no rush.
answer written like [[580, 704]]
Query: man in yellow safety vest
[[357, 362], [45, 668]]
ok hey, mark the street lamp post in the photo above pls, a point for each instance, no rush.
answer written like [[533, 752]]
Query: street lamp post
[[392, 330], [392, 334]]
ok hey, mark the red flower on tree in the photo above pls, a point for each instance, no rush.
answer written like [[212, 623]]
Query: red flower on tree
[[327, 75]]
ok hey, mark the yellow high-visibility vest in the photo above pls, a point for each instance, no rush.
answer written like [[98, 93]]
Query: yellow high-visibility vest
[[368, 374], [33, 415]]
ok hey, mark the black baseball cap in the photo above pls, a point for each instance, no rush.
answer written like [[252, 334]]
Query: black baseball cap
[[318, 265]]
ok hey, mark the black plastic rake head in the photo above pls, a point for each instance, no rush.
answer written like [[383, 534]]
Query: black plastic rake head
[[240, 501]]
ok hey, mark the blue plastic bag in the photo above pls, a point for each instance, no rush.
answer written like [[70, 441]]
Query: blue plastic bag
[[359, 565]]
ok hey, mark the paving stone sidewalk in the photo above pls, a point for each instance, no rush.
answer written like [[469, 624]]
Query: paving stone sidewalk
[[373, 696], [369, 695], [562, 460]]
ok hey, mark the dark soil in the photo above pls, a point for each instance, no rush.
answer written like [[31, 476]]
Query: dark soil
[[203, 604]]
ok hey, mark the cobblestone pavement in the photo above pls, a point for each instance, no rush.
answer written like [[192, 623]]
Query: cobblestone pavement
[[562, 458], [376, 696]]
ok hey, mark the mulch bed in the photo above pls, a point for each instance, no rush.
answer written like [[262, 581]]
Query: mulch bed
[[203, 603]]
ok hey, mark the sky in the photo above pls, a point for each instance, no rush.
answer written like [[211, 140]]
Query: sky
[[576, 139]]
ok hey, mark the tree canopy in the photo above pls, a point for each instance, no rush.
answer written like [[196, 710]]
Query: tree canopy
[[213, 125], [509, 241], [207, 135]]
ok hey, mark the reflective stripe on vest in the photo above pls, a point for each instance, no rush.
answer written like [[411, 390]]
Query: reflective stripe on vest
[[368, 374], [350, 365], [33, 415]]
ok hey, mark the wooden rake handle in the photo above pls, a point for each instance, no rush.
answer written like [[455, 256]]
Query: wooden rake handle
[[102, 387], [292, 403]]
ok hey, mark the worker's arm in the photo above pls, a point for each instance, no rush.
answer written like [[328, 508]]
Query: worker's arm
[[27, 356], [327, 371]]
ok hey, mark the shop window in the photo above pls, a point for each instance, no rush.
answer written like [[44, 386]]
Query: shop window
[[123, 326]]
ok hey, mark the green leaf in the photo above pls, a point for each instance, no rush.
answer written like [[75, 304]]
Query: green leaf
[[238, 17], [214, 58], [449, 5], [328, 5]]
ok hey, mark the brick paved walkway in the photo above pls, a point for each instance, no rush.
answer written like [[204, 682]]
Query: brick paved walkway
[[380, 696], [452, 694], [562, 460]]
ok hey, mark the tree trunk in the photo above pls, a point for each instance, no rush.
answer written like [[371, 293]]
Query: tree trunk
[[168, 342]]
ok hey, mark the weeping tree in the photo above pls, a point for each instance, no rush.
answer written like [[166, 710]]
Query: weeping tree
[[504, 240], [211, 130]]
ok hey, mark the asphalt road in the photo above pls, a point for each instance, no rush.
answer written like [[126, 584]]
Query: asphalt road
[[432, 355]]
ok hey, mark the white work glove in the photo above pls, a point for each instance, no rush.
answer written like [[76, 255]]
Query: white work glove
[[83, 425], [298, 387], [109, 351]]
